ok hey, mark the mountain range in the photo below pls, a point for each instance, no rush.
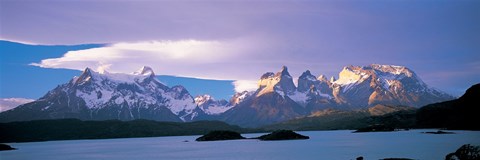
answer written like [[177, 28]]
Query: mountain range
[[140, 95]]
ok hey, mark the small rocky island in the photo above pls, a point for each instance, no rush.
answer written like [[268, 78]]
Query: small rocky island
[[439, 132], [375, 128], [220, 135], [282, 135], [230, 135], [4, 147]]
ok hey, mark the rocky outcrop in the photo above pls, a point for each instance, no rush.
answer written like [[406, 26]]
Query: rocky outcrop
[[220, 135], [282, 135], [5, 147], [465, 152]]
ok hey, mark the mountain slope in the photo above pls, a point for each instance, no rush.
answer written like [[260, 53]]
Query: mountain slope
[[378, 86], [269, 104], [461, 113], [360, 87], [103, 96]]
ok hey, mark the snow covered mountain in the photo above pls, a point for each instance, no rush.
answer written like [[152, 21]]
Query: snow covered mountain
[[102, 96], [360, 87], [278, 99], [210, 106], [140, 95]]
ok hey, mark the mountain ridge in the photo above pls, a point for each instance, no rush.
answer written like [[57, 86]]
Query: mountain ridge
[[140, 95]]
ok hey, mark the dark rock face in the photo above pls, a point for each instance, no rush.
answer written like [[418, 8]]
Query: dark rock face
[[466, 152], [220, 135], [4, 147], [282, 135]]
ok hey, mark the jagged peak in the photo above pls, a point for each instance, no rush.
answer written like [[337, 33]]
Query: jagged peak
[[307, 75], [284, 71], [145, 70], [322, 78], [267, 75], [86, 75], [203, 97], [87, 70], [332, 79], [393, 69]]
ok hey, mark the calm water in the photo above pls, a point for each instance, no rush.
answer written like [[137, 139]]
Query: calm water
[[342, 145]]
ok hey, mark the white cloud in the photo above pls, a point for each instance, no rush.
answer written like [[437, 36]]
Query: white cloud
[[234, 59], [10, 103], [117, 55], [245, 85], [242, 59]]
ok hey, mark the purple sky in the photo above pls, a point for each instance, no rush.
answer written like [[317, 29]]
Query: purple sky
[[236, 40]]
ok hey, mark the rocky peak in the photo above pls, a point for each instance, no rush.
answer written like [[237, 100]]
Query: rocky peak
[[306, 81], [283, 72], [392, 69], [322, 78], [280, 82], [201, 99], [179, 92], [145, 71], [267, 75], [332, 79], [239, 97], [307, 76], [87, 75]]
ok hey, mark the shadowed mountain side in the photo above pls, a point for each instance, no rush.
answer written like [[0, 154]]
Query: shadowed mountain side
[[461, 113], [266, 109], [350, 120]]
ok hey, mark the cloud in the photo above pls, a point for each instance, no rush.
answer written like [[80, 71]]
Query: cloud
[[10, 103], [243, 58], [123, 57], [245, 85]]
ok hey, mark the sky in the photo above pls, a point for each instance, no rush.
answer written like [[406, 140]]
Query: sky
[[235, 42]]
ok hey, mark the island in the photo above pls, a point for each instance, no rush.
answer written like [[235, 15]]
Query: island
[[282, 135], [375, 128], [439, 132], [5, 147], [220, 135]]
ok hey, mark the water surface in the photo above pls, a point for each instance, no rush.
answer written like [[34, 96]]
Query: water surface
[[342, 145]]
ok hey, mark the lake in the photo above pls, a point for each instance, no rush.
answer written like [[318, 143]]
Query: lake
[[342, 145]]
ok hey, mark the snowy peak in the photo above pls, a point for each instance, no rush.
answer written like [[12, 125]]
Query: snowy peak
[[383, 84], [392, 69], [201, 99], [239, 97], [351, 74], [145, 71], [210, 106]]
